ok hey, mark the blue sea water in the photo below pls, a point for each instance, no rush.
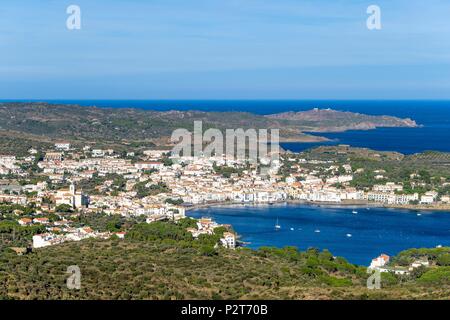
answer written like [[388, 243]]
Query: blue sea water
[[374, 231], [434, 115]]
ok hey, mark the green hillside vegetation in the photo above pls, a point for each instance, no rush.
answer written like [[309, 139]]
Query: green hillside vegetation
[[162, 261], [436, 256], [17, 143], [36, 124], [84, 124]]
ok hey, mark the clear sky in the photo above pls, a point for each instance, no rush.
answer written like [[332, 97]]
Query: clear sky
[[224, 49]]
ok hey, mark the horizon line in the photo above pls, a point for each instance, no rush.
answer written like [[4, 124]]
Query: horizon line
[[217, 99]]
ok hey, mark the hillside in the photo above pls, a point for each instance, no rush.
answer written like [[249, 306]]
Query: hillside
[[167, 269], [328, 120], [417, 173], [43, 123]]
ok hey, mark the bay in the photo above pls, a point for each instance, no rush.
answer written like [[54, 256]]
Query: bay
[[357, 237]]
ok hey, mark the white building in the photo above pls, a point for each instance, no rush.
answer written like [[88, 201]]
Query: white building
[[339, 179], [71, 197], [98, 153], [397, 270], [420, 263], [392, 198], [324, 196], [155, 153], [380, 261], [388, 187], [63, 146], [228, 240], [148, 165], [429, 197], [45, 239]]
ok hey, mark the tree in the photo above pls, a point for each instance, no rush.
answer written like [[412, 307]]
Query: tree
[[64, 208], [443, 260], [174, 201], [207, 250], [167, 162], [114, 225], [187, 223]]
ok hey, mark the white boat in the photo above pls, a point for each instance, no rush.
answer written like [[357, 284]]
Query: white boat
[[292, 229], [349, 235], [317, 231], [277, 225], [354, 212], [419, 214]]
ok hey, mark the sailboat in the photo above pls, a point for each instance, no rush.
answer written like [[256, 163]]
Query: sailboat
[[277, 225]]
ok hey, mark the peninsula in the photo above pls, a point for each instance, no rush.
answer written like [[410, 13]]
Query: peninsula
[[24, 124]]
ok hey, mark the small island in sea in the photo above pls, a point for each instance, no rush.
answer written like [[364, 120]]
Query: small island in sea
[[99, 189]]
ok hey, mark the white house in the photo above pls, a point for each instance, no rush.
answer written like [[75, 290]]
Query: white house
[[148, 165], [44, 240], [388, 187], [419, 263], [228, 240], [53, 156], [396, 270], [41, 220], [155, 153], [380, 261], [62, 145], [324, 196], [98, 153], [429, 197], [340, 179]]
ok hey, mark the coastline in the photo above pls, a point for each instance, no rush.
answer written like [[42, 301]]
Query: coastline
[[344, 204], [306, 138]]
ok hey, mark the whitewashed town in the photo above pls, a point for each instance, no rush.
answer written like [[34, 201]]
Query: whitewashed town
[[158, 187]]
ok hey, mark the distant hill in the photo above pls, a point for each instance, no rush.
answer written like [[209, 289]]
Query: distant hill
[[45, 123], [328, 120]]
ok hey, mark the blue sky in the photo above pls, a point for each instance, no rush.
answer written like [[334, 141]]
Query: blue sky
[[224, 49]]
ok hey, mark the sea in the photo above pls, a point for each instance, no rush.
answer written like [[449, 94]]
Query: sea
[[357, 237]]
